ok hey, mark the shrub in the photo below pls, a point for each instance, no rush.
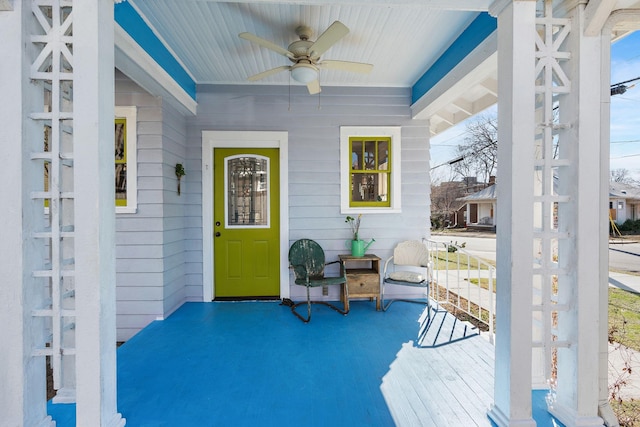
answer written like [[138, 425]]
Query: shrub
[[630, 226]]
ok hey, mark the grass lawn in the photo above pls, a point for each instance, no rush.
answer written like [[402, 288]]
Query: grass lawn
[[484, 283], [451, 260], [624, 318]]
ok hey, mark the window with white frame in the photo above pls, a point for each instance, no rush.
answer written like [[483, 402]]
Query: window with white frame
[[370, 169], [126, 169]]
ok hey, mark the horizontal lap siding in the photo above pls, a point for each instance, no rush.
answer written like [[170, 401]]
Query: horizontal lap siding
[[139, 240], [174, 132], [314, 160], [159, 248], [150, 245]]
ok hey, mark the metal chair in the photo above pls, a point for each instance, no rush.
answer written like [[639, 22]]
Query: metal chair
[[411, 253], [307, 260]]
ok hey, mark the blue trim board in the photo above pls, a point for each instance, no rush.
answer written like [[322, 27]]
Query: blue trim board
[[127, 17], [483, 26]]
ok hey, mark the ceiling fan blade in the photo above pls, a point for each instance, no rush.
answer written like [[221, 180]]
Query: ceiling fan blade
[[313, 87], [356, 67], [335, 32], [266, 43], [268, 73]]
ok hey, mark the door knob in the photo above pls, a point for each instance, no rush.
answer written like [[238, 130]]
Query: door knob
[[217, 234]]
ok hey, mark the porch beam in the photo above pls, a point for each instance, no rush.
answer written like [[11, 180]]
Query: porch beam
[[95, 214], [514, 251], [596, 14]]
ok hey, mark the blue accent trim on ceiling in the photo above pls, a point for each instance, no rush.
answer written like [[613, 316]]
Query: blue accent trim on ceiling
[[483, 26], [129, 19]]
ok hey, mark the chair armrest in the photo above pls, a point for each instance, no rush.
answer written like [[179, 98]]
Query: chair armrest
[[343, 268]]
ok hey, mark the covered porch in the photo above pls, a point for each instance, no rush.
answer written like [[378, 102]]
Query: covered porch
[[78, 278], [254, 363]]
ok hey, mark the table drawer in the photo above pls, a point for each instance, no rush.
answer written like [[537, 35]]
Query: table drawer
[[363, 283]]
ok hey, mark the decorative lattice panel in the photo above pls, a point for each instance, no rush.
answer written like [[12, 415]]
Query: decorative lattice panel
[[552, 83], [52, 69]]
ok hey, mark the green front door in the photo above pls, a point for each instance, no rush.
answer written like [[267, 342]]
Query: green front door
[[246, 222]]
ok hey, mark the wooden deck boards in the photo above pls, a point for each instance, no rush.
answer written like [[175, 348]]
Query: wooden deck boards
[[255, 364], [447, 384]]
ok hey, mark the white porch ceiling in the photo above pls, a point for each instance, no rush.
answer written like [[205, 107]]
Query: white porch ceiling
[[400, 41], [401, 38]]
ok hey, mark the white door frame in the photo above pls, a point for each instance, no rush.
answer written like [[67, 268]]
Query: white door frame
[[242, 139]]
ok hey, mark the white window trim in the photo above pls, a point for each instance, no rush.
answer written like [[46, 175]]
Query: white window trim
[[131, 115], [394, 133]]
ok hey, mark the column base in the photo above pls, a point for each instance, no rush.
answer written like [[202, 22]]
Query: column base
[[47, 422], [501, 420], [607, 414], [65, 395], [117, 421], [570, 418]]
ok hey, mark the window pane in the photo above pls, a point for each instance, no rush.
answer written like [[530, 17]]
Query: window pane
[[120, 146], [356, 155], [369, 187], [121, 182], [247, 196], [370, 155], [383, 155]]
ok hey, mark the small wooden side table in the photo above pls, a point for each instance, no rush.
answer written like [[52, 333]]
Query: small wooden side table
[[363, 277]]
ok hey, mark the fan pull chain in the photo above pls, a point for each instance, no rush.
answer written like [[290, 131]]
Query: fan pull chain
[[319, 106], [289, 91]]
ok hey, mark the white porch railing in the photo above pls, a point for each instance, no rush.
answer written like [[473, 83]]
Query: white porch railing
[[463, 282]]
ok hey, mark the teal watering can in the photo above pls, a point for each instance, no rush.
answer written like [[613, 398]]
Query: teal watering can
[[358, 247]]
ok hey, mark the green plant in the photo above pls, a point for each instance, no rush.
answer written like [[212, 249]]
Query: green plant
[[453, 247], [179, 174], [354, 223], [630, 225]]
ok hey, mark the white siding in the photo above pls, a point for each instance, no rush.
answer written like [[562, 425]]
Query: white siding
[[314, 177], [159, 264], [150, 245]]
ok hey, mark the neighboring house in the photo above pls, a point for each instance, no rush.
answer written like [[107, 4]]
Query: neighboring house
[[624, 202], [266, 164], [480, 209], [445, 200]]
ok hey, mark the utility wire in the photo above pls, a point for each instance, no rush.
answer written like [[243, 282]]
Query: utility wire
[[620, 88], [616, 89]]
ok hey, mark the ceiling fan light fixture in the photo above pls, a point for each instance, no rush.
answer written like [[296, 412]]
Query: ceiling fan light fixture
[[304, 73]]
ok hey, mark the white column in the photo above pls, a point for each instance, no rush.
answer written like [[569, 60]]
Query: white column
[[95, 214], [579, 256], [604, 408], [22, 375], [514, 249]]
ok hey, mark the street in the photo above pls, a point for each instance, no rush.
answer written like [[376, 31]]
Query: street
[[623, 257]]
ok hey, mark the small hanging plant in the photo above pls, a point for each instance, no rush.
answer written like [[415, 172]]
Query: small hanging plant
[[179, 174]]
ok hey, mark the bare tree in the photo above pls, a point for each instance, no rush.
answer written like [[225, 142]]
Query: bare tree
[[478, 154], [623, 176]]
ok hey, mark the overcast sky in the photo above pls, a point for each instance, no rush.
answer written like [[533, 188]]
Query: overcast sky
[[625, 115]]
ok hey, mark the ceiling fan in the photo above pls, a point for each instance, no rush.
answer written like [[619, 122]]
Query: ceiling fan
[[305, 55]]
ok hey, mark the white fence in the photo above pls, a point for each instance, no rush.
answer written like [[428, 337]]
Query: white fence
[[464, 282]]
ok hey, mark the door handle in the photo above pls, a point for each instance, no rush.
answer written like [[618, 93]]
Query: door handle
[[217, 234]]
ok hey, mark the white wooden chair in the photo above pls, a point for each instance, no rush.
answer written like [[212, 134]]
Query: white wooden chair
[[414, 254]]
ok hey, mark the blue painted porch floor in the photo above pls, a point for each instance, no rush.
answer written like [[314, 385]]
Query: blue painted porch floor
[[255, 364]]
